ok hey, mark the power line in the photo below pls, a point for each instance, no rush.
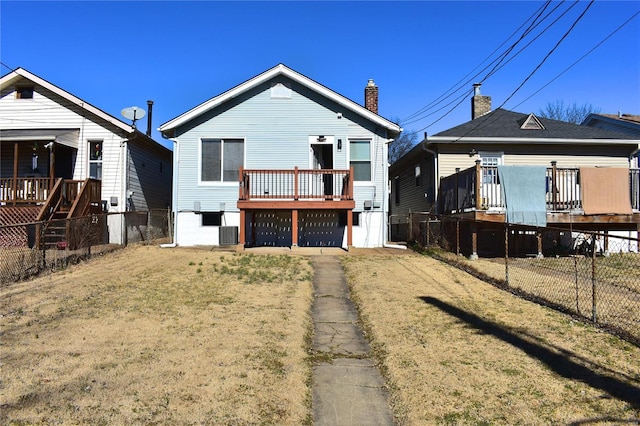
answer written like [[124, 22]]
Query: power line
[[446, 95], [485, 122], [580, 59], [500, 60], [6, 66]]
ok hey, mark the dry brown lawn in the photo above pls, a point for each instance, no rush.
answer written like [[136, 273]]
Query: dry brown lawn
[[456, 350], [157, 336], [188, 336]]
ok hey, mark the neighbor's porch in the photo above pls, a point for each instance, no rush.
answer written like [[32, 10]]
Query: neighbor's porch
[[296, 191], [475, 194]]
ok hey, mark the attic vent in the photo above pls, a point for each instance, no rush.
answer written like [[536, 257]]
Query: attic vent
[[280, 91], [531, 123]]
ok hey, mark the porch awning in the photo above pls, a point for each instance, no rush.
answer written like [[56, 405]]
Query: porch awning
[[67, 137]]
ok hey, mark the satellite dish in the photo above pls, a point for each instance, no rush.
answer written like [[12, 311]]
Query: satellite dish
[[133, 113]]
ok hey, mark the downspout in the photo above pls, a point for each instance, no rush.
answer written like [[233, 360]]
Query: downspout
[[123, 192], [436, 169], [174, 197]]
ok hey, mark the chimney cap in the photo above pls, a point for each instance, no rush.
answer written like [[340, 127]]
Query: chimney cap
[[476, 88], [370, 83]]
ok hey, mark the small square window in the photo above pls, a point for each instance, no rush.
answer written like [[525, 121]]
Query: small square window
[[212, 219], [24, 92], [356, 219]]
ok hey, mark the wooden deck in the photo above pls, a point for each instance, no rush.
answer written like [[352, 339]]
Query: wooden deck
[[296, 189], [474, 194]]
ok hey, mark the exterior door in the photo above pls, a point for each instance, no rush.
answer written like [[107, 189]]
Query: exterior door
[[322, 159], [491, 198]]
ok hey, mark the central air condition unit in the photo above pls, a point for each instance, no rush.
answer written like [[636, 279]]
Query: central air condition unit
[[228, 235]]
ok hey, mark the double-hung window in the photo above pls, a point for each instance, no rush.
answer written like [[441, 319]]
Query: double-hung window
[[221, 160], [361, 159], [95, 159]]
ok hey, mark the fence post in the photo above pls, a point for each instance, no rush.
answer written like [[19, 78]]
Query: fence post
[[593, 281]]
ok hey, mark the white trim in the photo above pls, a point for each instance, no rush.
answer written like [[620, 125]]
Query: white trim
[[370, 182], [278, 70], [452, 139], [221, 182]]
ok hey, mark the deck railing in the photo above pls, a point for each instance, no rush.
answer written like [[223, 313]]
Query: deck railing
[[478, 188], [296, 184], [24, 190]]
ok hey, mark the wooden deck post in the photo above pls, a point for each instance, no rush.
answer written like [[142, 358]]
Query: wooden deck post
[[349, 228], [243, 216], [456, 190], [52, 167], [294, 228], [477, 185], [14, 190], [474, 241], [457, 235], [554, 187], [539, 239], [606, 243]]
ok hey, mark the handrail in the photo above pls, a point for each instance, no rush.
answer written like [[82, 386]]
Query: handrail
[[55, 196], [89, 195], [24, 190], [478, 188], [295, 184]]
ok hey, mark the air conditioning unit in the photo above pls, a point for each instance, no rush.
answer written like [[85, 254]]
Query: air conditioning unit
[[228, 235]]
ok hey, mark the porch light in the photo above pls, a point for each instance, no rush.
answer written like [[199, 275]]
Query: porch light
[[321, 138], [472, 152], [339, 144]]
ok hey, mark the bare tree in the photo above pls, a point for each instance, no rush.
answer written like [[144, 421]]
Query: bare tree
[[402, 144], [573, 113]]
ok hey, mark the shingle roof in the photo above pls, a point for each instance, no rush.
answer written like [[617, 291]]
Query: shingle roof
[[502, 123]]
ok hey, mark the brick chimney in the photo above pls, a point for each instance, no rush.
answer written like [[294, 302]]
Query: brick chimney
[[480, 105], [371, 96]]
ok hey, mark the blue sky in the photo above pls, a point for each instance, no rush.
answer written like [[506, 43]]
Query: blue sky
[[121, 53]]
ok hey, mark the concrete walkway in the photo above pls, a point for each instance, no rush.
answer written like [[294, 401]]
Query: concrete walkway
[[349, 390]]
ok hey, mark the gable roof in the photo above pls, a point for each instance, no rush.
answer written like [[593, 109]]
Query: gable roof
[[502, 125], [624, 123], [19, 74], [278, 70]]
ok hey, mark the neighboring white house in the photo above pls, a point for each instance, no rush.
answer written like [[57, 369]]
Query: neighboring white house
[[281, 160], [47, 133]]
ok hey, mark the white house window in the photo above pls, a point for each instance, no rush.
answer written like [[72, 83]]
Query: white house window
[[95, 159], [361, 160], [221, 160], [212, 219]]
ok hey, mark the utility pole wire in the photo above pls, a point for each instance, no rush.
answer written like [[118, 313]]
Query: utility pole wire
[[458, 86], [580, 59], [532, 72], [501, 58]]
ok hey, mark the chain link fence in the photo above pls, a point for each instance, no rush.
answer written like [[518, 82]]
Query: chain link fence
[[591, 275], [30, 249]]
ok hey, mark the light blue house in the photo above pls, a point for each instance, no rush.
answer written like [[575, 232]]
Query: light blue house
[[281, 160]]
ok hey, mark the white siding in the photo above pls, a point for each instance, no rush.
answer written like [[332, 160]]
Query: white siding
[[49, 111]]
